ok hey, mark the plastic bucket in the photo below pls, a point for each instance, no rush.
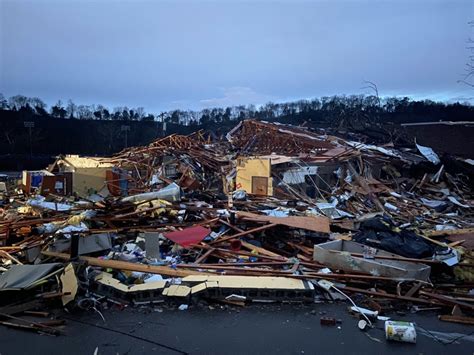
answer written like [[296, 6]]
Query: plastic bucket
[[400, 331]]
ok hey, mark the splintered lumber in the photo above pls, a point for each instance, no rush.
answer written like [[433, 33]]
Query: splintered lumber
[[125, 265], [456, 243], [401, 258], [37, 313], [241, 270], [21, 307], [448, 300], [204, 256], [416, 287], [52, 322], [250, 246], [238, 235], [259, 250], [435, 233], [206, 222], [312, 223], [389, 295], [241, 252], [137, 212], [32, 327], [8, 256], [356, 277], [257, 263], [366, 188], [434, 241], [231, 225], [29, 325]]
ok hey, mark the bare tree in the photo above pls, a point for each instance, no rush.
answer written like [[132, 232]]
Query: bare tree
[[17, 101], [71, 109], [469, 75], [372, 86], [3, 102], [140, 112], [84, 112]]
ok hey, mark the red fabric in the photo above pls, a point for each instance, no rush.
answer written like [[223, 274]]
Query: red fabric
[[188, 236]]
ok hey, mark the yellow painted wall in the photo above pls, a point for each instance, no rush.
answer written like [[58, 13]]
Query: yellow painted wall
[[87, 180], [248, 167]]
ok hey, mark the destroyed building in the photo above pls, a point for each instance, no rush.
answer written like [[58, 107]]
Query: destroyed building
[[272, 213]]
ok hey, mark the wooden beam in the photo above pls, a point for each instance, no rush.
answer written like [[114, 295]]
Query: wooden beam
[[392, 296], [259, 250], [238, 235], [448, 300], [204, 256], [416, 287], [124, 265], [401, 258], [448, 232]]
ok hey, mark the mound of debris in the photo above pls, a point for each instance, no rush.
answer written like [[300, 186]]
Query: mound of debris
[[275, 213]]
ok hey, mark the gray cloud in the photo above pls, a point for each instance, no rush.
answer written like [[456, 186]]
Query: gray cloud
[[194, 54], [237, 95]]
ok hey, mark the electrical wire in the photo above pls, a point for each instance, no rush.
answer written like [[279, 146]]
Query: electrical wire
[[358, 309], [430, 334], [129, 335], [441, 341]]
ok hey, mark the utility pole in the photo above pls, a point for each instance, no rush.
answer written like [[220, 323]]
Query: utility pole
[[29, 125], [125, 129], [163, 124]]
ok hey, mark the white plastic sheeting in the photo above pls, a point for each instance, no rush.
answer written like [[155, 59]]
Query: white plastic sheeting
[[39, 201], [429, 154], [432, 203], [170, 193], [386, 151], [456, 202]]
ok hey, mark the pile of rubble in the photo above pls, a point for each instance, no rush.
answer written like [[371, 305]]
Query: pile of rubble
[[272, 213]]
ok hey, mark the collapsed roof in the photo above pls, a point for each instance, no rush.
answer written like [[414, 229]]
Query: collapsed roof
[[251, 136]]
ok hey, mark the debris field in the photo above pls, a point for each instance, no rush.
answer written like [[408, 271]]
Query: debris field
[[268, 213]]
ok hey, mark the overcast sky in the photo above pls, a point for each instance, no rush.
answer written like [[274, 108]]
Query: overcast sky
[[192, 54]]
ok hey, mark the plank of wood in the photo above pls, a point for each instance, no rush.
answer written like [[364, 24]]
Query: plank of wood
[[29, 324], [456, 243], [237, 229], [30, 327], [124, 265], [392, 296], [204, 256], [434, 241], [135, 213], [257, 263], [357, 277], [259, 250], [38, 313], [8, 256], [365, 186], [52, 322], [21, 307], [245, 253], [456, 319], [401, 258], [435, 233], [235, 268], [312, 223], [468, 240], [448, 300], [238, 235], [416, 287]]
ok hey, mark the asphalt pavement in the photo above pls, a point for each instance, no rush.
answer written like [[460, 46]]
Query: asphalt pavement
[[217, 329]]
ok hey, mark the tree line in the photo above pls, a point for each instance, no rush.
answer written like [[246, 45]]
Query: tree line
[[333, 110]]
